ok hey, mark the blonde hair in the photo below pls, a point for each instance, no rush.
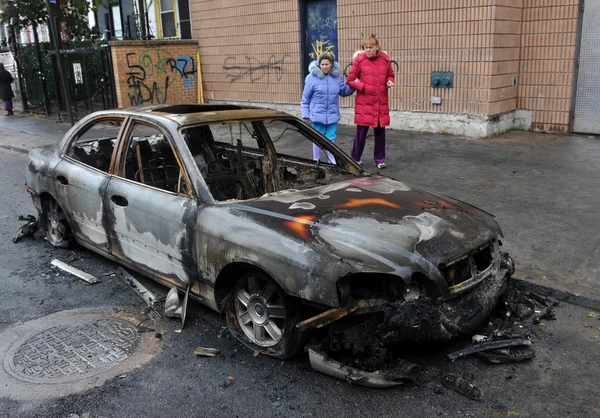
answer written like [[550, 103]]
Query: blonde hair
[[371, 41]]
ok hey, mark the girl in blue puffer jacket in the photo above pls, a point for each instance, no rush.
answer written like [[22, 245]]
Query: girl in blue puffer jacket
[[320, 98]]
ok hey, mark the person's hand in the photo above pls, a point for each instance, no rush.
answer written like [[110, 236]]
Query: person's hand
[[389, 84]]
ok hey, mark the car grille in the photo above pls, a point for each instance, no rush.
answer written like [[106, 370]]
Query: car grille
[[468, 266]]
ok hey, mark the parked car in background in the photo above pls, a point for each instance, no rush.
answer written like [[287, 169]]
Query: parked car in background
[[227, 202]]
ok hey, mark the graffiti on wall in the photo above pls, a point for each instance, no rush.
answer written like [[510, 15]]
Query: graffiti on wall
[[154, 71], [318, 47], [254, 69]]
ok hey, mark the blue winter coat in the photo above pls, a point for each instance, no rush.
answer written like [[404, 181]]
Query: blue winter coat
[[320, 98]]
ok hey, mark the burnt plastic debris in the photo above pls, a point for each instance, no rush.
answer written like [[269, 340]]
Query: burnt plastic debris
[[462, 386], [28, 229], [492, 345], [507, 355]]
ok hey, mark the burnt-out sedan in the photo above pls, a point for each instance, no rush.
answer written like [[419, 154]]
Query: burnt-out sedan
[[227, 203]]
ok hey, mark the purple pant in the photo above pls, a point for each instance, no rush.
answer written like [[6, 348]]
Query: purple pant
[[8, 104], [359, 143]]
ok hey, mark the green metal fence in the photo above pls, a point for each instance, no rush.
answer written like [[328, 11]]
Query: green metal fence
[[87, 73]]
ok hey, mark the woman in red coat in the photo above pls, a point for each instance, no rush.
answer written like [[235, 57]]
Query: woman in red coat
[[371, 76]]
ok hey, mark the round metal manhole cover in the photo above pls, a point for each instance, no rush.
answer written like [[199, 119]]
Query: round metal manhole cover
[[64, 353], [72, 351]]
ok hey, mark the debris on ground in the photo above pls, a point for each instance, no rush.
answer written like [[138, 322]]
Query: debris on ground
[[228, 382], [486, 346], [208, 352], [507, 355], [478, 338], [392, 375], [462, 386], [139, 289], [544, 300], [548, 313], [592, 315], [173, 307], [75, 271], [28, 229]]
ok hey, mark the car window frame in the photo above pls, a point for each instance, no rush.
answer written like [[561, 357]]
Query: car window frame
[[349, 165], [123, 144], [82, 130]]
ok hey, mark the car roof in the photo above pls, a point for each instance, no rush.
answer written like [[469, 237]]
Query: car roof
[[196, 114]]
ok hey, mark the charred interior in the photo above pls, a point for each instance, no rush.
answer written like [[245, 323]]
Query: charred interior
[[235, 161], [377, 286]]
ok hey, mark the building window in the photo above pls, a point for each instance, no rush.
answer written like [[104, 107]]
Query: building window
[[167, 18]]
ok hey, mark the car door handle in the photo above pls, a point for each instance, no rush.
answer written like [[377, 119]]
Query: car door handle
[[119, 200], [62, 180]]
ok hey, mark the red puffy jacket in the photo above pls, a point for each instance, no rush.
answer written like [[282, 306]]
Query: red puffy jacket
[[372, 103]]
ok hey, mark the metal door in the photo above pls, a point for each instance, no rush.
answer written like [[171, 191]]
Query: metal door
[[319, 23], [587, 98]]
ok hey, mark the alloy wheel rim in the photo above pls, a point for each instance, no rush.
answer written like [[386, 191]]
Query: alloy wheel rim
[[260, 311], [57, 222]]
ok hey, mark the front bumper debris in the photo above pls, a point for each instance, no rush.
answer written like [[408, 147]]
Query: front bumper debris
[[320, 362], [423, 320]]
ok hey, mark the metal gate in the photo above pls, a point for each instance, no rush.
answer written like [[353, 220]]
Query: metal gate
[[88, 78], [587, 96], [87, 73]]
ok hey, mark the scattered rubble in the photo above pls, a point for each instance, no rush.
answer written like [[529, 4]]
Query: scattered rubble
[[362, 352]]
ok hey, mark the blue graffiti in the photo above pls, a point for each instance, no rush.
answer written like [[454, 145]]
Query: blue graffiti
[[186, 67]]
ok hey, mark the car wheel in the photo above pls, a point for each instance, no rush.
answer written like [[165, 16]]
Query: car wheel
[[263, 317], [58, 231]]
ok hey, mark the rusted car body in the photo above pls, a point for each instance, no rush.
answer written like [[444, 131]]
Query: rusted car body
[[227, 202]]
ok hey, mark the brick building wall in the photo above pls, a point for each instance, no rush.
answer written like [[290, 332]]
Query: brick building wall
[[249, 50], [548, 51], [473, 39], [513, 60], [155, 72]]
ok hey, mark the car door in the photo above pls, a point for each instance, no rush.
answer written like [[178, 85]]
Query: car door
[[151, 206], [83, 175]]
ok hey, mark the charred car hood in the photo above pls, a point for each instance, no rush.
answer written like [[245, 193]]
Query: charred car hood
[[377, 217]]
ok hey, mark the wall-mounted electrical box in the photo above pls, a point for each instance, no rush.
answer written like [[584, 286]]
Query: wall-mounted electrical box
[[442, 79]]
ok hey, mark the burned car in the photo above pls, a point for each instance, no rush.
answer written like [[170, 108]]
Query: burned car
[[226, 203]]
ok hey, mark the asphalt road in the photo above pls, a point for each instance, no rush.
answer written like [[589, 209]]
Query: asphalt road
[[560, 381]]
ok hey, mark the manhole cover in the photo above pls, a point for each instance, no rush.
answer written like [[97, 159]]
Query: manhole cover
[[64, 353], [72, 351]]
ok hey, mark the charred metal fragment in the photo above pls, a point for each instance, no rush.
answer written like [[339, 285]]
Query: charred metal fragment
[[507, 355], [75, 272], [139, 289], [462, 386], [492, 345]]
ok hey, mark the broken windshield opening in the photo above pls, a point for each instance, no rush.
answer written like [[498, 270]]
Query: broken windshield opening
[[249, 159]]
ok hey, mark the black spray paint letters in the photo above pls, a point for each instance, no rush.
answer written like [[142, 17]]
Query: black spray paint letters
[[149, 79], [254, 69]]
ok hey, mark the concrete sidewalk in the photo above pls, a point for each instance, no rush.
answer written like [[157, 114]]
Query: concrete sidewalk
[[541, 187]]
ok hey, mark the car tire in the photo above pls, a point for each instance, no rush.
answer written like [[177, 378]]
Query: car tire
[[58, 230], [262, 317]]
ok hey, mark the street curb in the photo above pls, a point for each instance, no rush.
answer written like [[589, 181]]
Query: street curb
[[561, 295], [16, 149]]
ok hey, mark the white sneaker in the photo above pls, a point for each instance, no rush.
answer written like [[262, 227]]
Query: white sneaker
[[381, 165], [360, 162]]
